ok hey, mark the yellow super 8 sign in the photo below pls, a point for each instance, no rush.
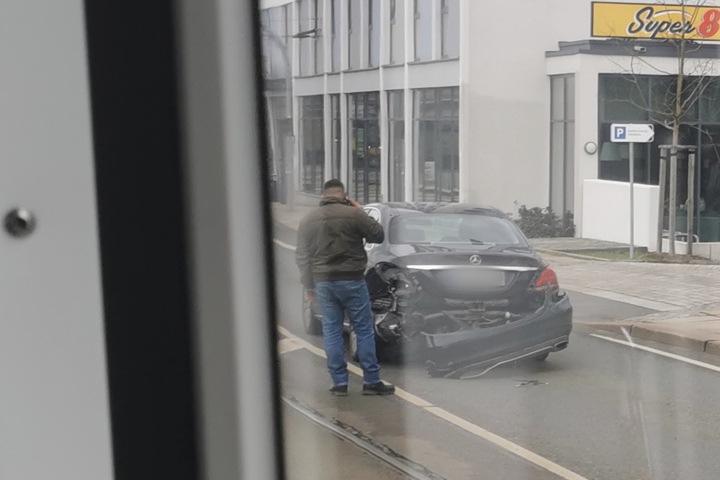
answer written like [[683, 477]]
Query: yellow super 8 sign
[[657, 20]]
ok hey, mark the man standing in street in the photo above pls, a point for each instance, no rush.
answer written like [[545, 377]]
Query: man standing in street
[[332, 260]]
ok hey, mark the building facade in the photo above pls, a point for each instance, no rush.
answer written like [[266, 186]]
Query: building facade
[[375, 86], [477, 101]]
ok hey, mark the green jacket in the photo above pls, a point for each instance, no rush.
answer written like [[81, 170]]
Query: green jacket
[[330, 242]]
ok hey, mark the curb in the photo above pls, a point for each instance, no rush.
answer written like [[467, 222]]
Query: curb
[[573, 255], [651, 333]]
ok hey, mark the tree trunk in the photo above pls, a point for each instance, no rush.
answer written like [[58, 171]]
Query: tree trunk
[[677, 116]]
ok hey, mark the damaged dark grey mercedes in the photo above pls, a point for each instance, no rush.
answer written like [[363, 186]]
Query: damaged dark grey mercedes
[[460, 287]]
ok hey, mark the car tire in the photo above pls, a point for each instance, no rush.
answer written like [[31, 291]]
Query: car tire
[[311, 324], [542, 357]]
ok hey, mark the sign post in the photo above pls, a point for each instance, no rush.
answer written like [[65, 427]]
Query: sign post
[[632, 133]]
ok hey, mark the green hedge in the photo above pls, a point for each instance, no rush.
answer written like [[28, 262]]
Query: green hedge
[[539, 222]]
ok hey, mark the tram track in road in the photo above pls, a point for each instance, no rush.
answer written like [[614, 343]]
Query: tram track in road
[[448, 417], [404, 465]]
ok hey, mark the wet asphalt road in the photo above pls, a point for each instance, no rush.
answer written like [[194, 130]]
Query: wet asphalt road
[[597, 410]]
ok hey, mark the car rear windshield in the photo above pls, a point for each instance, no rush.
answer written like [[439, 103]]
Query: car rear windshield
[[454, 228]]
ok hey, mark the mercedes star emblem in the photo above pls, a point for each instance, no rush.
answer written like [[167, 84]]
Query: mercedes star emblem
[[476, 260]]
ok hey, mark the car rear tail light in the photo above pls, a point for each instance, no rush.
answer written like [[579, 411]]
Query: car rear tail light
[[547, 280]]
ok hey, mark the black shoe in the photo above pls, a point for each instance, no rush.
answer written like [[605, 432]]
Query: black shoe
[[339, 390], [378, 388]]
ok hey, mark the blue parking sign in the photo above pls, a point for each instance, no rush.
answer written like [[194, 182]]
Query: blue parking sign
[[632, 132], [619, 132]]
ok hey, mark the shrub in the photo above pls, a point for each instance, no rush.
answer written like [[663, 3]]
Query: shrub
[[539, 222]]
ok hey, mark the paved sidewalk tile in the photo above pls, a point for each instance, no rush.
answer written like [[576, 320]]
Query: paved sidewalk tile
[[680, 285]]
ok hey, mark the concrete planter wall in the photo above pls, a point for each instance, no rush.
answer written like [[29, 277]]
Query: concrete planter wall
[[606, 212]]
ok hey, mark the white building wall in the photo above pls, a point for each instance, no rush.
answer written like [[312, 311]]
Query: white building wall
[[505, 94]]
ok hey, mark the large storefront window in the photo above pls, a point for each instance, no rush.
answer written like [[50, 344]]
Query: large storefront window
[[644, 99], [648, 99], [396, 136], [562, 141], [364, 130], [312, 147], [436, 147]]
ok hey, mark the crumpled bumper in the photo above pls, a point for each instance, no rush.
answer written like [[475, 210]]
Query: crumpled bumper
[[472, 352]]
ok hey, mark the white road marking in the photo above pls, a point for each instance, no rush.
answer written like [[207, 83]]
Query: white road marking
[[499, 441], [659, 352], [288, 345], [284, 245]]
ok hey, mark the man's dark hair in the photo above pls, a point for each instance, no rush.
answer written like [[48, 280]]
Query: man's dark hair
[[334, 183]]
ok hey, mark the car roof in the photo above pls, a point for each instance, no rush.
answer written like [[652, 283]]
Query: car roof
[[440, 207]]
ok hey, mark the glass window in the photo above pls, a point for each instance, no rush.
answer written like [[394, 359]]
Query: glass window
[[710, 102], [623, 98], [354, 34], [275, 35], [373, 33], [471, 229], [317, 38], [312, 144], [423, 30], [661, 105], [436, 144], [709, 165], [450, 11], [265, 26], [335, 6], [305, 24], [396, 134], [562, 141], [336, 135], [364, 131], [557, 161], [397, 31]]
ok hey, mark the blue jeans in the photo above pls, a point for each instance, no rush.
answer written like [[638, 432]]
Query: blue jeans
[[334, 299]]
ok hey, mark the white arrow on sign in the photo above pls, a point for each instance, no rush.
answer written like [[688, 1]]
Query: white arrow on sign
[[632, 132]]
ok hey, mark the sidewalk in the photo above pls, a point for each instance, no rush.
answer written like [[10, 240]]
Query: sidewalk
[[686, 295]]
